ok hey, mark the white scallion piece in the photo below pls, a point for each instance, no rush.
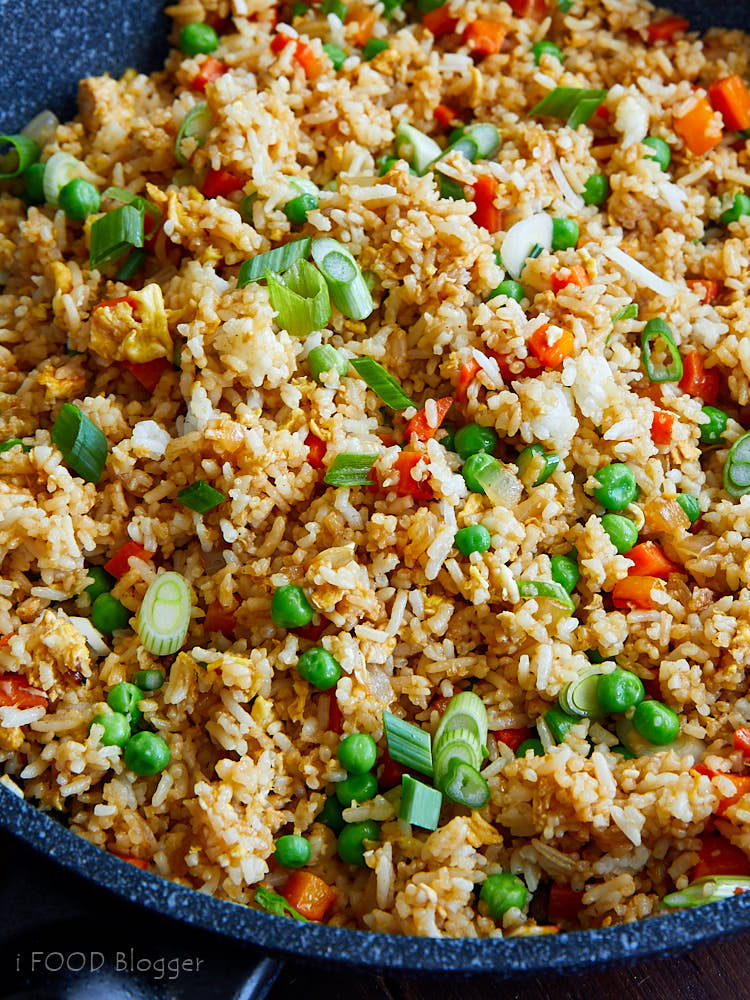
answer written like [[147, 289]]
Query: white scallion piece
[[164, 616], [575, 201], [94, 638], [521, 239], [640, 274]]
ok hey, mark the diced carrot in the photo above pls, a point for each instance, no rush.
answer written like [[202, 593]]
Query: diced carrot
[[419, 425], [649, 560], [661, 427], [698, 127], [316, 450], [576, 275], [564, 903], [467, 374], [730, 96], [697, 380], [5, 639], [513, 738], [279, 42], [335, 718], [553, 354], [110, 303], [635, 592], [119, 564], [388, 439], [137, 862], [484, 38], [392, 772], [440, 21], [741, 740], [221, 182], [604, 113], [707, 288], [210, 69], [148, 373], [535, 9], [664, 31], [309, 895], [486, 213], [509, 367], [218, 619], [365, 19], [307, 59], [407, 485], [719, 857], [741, 783], [16, 692], [444, 115]]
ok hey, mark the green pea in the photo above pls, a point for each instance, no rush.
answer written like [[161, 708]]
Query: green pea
[[656, 722], [473, 465], [559, 722], [296, 210], [534, 745], [512, 289], [357, 753], [565, 233], [35, 184], [356, 788], [148, 680], [79, 199], [146, 754], [109, 615], [292, 851], [334, 7], [473, 538], [473, 439], [319, 668], [290, 608], [331, 816], [711, 432], [351, 842], [502, 891], [323, 359], [564, 570], [116, 729], [660, 151], [539, 49], [617, 487], [739, 207], [690, 505], [622, 532], [125, 698], [385, 163], [103, 582], [198, 37], [619, 691], [595, 190]]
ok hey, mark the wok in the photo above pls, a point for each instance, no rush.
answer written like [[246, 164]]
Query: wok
[[49, 47]]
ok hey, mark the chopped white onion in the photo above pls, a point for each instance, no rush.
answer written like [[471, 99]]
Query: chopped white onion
[[501, 486], [42, 127], [521, 239], [674, 196], [575, 201], [94, 638], [640, 274]]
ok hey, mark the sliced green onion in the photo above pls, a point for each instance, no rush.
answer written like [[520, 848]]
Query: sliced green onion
[[577, 104], [465, 145], [11, 443], [323, 359], [564, 570], [164, 614], [200, 497], [132, 265], [629, 311], [559, 722], [418, 149], [350, 469], [113, 234], [420, 804], [373, 47], [579, 697], [711, 889], [278, 260], [336, 54], [408, 744], [195, 125], [449, 188], [458, 744], [16, 160], [383, 384], [128, 198], [535, 465], [300, 298], [466, 786], [546, 588], [564, 5], [521, 239], [272, 902], [737, 468], [83, 446], [59, 170], [485, 136], [657, 330], [464, 711], [349, 291]]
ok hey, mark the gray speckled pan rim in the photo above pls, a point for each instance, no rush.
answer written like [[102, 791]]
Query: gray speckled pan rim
[[379, 952]]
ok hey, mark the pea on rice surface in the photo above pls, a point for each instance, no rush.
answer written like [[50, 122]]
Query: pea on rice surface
[[511, 292]]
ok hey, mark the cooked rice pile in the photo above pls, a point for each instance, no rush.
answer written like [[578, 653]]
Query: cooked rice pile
[[409, 619]]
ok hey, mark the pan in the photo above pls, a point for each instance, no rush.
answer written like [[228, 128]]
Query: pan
[[53, 45]]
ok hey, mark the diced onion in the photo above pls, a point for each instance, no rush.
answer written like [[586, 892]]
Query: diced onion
[[500, 485], [42, 127], [521, 239], [640, 274], [575, 201], [94, 638]]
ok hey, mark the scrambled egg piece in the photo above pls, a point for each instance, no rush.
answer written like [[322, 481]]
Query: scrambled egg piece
[[133, 328]]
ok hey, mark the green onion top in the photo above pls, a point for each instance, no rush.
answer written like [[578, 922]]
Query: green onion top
[[277, 261], [408, 744], [300, 298], [577, 104], [656, 331], [737, 468], [546, 588], [113, 234], [17, 153], [272, 902], [83, 446], [420, 804], [350, 469], [195, 125], [200, 497], [349, 291], [382, 383]]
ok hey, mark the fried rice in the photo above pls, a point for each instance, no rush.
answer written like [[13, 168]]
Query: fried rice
[[598, 832]]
